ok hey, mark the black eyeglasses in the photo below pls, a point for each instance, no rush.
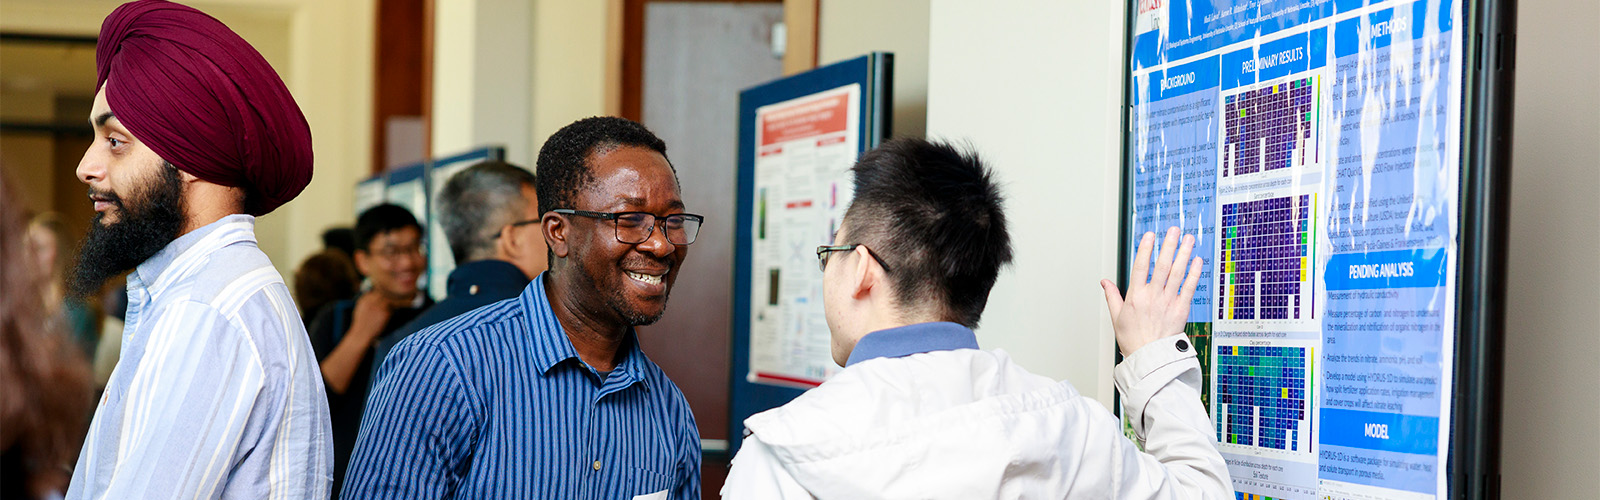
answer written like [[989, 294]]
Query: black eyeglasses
[[823, 251], [635, 227]]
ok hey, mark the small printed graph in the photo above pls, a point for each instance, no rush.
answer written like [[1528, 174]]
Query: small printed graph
[[1264, 266], [1271, 127], [1262, 393]]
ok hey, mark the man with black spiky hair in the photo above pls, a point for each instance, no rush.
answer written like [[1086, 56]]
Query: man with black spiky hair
[[920, 412]]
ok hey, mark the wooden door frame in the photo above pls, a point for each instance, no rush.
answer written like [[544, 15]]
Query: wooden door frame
[[402, 71]]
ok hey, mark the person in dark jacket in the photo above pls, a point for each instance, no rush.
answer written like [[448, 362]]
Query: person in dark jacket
[[490, 214], [389, 252]]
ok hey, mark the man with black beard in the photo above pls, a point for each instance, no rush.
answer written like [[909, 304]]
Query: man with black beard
[[217, 393], [547, 394], [142, 228]]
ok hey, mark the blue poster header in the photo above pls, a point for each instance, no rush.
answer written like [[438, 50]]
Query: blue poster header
[[1180, 80], [1380, 431], [1390, 269]]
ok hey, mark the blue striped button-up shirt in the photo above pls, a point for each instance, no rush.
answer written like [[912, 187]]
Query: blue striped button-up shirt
[[496, 403], [216, 394]]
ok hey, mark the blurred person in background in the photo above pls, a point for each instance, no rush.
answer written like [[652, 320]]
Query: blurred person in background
[[215, 393], [490, 214], [342, 239], [114, 301], [324, 278], [51, 251], [45, 392], [389, 251]]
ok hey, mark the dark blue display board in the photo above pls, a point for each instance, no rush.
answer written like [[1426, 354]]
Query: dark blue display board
[[872, 74]]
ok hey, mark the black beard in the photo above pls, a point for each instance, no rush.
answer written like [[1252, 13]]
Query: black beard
[[145, 227]]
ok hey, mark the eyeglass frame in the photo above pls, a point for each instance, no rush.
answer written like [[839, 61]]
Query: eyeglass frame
[[617, 229], [824, 250]]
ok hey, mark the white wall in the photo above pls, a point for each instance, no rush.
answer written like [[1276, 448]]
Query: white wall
[[848, 29], [1035, 86], [1552, 408]]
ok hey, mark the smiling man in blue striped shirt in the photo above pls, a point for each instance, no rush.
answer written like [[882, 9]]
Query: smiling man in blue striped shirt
[[547, 394]]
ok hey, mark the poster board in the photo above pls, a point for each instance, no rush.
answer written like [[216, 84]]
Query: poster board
[[369, 193], [407, 186], [798, 137], [1331, 157]]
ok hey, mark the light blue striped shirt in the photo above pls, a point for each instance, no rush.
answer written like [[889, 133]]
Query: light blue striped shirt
[[217, 393], [495, 403]]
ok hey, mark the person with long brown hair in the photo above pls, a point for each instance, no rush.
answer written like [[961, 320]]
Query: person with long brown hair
[[45, 389]]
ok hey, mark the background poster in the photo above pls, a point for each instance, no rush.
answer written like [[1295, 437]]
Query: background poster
[[805, 148]]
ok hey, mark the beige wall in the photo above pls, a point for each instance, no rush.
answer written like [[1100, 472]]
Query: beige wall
[[1552, 408], [482, 76], [330, 73], [1035, 86], [570, 75], [512, 72], [851, 28]]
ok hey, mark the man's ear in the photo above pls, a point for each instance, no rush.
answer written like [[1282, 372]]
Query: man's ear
[[362, 260], [555, 233], [187, 177], [504, 247], [863, 275]]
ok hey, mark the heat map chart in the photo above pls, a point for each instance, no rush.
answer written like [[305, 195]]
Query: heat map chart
[[1272, 127], [1265, 257], [1262, 396]]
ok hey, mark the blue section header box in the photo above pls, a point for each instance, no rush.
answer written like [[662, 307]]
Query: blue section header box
[[1238, 69], [1185, 79], [1282, 57], [1380, 431], [1390, 269]]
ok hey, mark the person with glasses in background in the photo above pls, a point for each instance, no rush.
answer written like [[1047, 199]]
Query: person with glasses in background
[[345, 333], [547, 394], [920, 412]]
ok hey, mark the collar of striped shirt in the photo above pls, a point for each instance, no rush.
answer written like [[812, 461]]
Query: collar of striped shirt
[[183, 254], [552, 351]]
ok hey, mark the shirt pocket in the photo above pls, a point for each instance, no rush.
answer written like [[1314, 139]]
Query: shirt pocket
[[646, 482]]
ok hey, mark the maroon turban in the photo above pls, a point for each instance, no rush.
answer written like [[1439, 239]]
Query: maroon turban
[[205, 100]]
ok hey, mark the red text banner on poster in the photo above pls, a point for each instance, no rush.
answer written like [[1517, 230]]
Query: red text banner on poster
[[805, 119]]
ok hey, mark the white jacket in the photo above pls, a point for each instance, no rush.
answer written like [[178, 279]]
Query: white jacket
[[972, 424]]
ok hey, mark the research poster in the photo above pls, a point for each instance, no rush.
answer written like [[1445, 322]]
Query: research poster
[[440, 261], [1313, 146], [408, 189], [369, 193], [805, 148]]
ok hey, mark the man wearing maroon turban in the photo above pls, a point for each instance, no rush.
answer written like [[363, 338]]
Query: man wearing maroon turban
[[217, 393]]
